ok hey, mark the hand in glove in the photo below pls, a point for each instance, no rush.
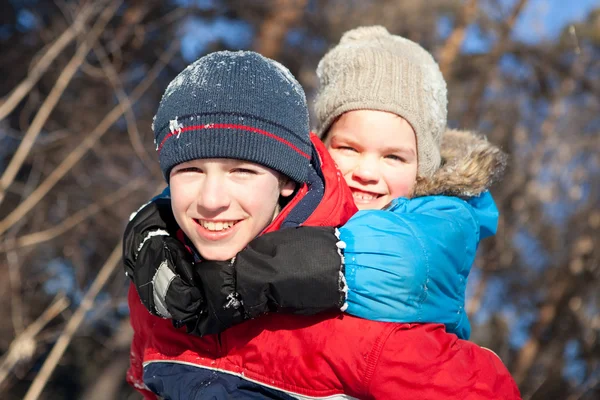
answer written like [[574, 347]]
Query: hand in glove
[[295, 270], [159, 265]]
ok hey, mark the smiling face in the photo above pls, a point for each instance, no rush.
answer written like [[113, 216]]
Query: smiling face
[[376, 151], [222, 204]]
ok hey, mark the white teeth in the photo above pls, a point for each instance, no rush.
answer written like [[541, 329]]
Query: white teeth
[[363, 196], [216, 226]]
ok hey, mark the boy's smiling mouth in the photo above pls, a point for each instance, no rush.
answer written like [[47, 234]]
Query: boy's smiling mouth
[[216, 226]]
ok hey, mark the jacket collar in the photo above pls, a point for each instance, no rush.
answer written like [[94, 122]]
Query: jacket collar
[[470, 165], [325, 200]]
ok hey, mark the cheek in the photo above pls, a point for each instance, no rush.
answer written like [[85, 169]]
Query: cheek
[[401, 183], [344, 163], [182, 197], [260, 197]]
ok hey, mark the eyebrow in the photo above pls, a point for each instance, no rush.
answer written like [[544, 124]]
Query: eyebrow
[[404, 150], [347, 138]]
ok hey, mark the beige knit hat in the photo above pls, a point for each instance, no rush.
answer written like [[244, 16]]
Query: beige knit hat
[[371, 69]]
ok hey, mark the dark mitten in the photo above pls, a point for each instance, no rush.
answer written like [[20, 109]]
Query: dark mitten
[[298, 270], [159, 265], [223, 306], [294, 270]]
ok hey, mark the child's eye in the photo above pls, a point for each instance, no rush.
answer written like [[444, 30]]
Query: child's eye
[[188, 169], [394, 157], [244, 171], [347, 148]]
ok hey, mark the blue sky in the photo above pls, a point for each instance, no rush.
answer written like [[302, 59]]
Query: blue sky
[[545, 19], [540, 20]]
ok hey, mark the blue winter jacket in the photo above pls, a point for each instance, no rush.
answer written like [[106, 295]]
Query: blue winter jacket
[[410, 262]]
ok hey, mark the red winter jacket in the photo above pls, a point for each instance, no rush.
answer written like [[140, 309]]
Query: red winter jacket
[[325, 356]]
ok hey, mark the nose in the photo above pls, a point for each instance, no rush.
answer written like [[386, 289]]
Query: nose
[[367, 170], [213, 196]]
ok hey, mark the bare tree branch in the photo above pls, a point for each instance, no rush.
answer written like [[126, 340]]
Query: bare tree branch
[[23, 346], [44, 112], [68, 163], [126, 109], [455, 39], [550, 137], [50, 54], [16, 306], [65, 338], [36, 238], [271, 35], [494, 56], [560, 289], [527, 354]]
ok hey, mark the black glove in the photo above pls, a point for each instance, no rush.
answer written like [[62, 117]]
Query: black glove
[[223, 305], [295, 270], [159, 265]]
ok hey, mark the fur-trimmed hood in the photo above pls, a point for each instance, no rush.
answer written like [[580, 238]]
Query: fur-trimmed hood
[[470, 165]]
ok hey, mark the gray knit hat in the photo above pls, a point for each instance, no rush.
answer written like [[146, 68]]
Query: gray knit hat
[[371, 69], [237, 105]]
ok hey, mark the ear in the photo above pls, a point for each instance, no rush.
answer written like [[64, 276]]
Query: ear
[[287, 188]]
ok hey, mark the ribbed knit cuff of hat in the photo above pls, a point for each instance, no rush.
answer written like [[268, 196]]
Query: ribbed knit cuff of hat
[[234, 136]]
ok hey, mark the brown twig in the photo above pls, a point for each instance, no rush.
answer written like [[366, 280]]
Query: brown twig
[[474, 303], [126, 108], [272, 31], [23, 346], [50, 54], [68, 163], [65, 338], [74, 220], [455, 39], [44, 112], [560, 289], [528, 353], [16, 303], [12, 257], [470, 117]]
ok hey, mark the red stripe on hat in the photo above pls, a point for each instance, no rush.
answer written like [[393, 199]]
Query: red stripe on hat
[[232, 126]]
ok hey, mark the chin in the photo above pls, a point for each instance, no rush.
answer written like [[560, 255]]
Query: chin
[[366, 207], [374, 205], [216, 254]]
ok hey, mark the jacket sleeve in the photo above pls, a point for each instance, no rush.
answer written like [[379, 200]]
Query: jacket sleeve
[[410, 263], [135, 373], [423, 361]]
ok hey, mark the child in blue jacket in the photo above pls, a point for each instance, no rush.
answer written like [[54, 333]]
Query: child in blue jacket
[[382, 114], [404, 257]]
